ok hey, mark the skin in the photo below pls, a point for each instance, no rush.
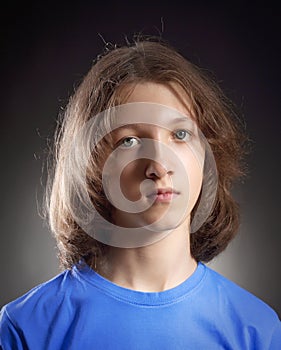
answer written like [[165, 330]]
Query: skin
[[168, 262]]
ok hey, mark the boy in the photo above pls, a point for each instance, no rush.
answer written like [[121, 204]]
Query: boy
[[140, 198]]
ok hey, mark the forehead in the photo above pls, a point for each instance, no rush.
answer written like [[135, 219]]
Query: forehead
[[170, 95], [137, 114]]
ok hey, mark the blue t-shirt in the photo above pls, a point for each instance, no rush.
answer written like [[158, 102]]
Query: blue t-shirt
[[79, 309]]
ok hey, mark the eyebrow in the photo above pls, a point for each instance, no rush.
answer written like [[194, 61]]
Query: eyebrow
[[139, 126], [181, 119]]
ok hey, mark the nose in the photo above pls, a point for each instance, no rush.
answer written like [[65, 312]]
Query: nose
[[159, 163], [155, 169]]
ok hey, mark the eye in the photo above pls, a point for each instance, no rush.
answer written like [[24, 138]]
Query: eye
[[182, 135], [129, 142]]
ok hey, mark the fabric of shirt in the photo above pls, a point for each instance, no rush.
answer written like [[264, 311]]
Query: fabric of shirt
[[79, 309]]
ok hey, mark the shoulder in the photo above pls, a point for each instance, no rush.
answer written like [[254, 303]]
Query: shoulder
[[28, 319], [38, 300], [242, 305]]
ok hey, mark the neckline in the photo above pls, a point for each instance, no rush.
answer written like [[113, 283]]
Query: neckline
[[131, 296]]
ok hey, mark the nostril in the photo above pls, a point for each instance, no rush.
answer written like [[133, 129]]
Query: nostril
[[156, 170]]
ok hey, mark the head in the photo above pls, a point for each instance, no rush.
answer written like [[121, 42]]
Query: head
[[124, 75]]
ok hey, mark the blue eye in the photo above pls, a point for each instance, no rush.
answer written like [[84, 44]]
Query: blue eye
[[129, 142], [182, 135]]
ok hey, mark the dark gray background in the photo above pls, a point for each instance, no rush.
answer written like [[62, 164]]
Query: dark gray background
[[46, 50]]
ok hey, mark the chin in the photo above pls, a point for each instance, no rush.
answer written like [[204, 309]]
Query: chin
[[165, 223], [163, 227], [157, 221]]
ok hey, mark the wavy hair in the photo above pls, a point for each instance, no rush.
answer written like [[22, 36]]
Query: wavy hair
[[145, 60]]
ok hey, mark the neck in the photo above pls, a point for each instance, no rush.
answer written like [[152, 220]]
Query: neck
[[154, 268]]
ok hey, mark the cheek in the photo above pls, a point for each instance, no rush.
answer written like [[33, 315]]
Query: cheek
[[130, 180], [196, 178], [193, 176]]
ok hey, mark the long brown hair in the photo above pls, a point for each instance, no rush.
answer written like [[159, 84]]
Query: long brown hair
[[146, 61]]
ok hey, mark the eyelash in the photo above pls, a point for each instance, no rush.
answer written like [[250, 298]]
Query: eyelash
[[187, 134], [121, 143]]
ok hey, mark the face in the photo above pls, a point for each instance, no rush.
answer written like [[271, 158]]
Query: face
[[160, 174]]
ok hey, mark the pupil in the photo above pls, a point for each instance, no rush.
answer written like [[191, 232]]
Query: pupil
[[181, 134], [128, 141]]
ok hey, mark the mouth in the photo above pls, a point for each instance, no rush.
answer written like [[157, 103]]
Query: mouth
[[163, 194]]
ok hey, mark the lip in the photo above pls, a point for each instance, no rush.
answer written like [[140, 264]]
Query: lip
[[163, 195]]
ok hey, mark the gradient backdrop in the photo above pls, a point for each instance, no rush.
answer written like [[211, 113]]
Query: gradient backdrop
[[46, 50]]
